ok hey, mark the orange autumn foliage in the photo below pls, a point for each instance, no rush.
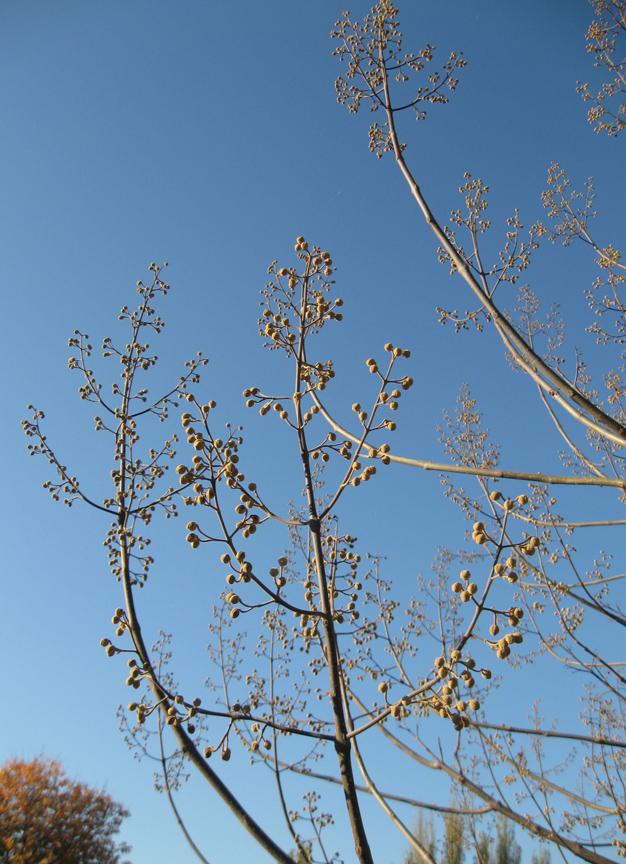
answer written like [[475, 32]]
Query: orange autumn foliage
[[46, 818]]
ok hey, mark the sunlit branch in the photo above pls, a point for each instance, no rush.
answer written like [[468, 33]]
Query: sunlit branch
[[553, 479]]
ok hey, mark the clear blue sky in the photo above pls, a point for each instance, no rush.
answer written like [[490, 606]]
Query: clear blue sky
[[207, 134]]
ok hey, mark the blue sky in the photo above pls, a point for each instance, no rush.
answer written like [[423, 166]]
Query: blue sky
[[207, 134]]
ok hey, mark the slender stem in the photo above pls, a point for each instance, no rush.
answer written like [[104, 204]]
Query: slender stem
[[170, 797], [342, 743], [603, 424], [474, 471]]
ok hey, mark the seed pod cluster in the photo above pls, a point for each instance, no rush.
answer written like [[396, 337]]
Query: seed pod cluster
[[446, 699], [529, 546], [311, 305], [467, 591], [479, 533], [135, 676]]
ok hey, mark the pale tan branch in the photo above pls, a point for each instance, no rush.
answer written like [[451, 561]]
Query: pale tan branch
[[550, 733], [531, 362], [551, 479]]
